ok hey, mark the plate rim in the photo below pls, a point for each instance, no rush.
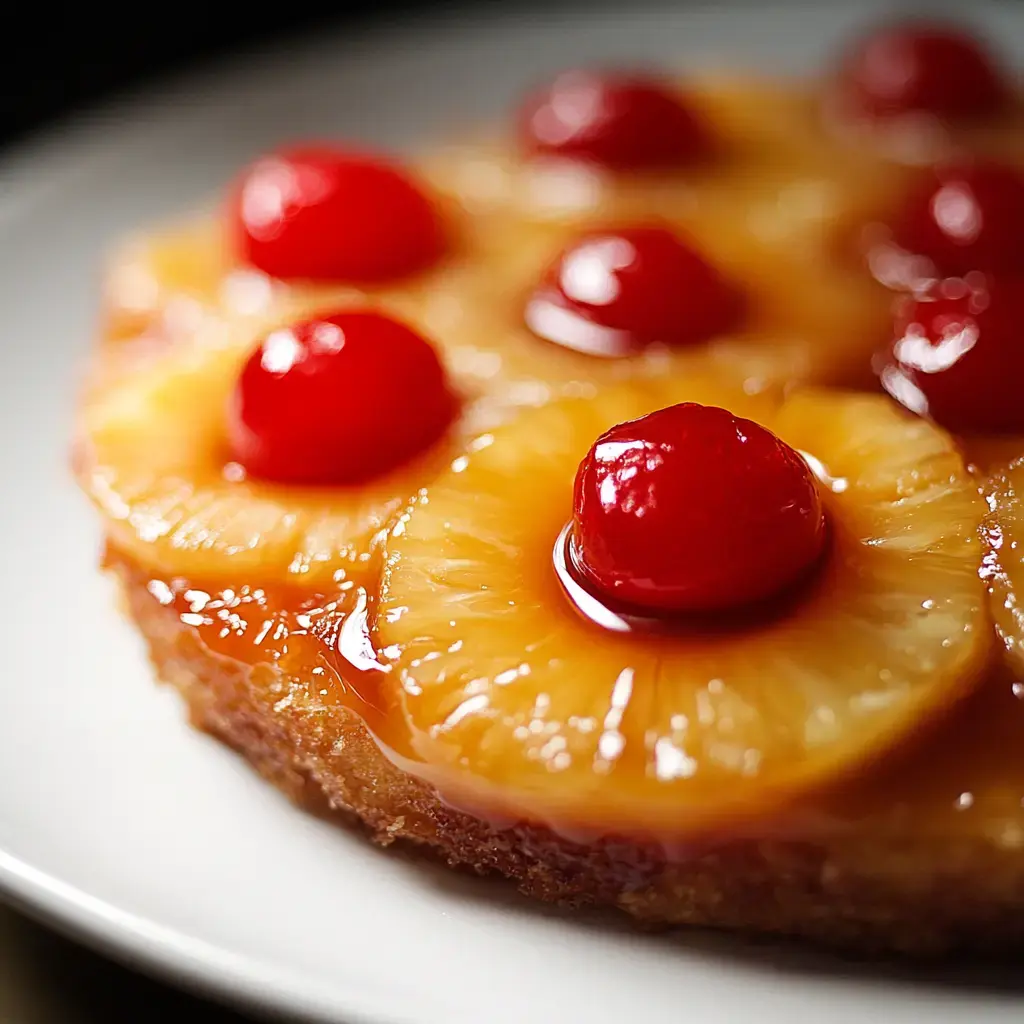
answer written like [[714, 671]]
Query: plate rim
[[168, 955]]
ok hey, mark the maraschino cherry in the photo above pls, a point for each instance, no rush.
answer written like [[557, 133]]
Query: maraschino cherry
[[319, 213], [963, 218], [693, 509], [621, 122], [338, 400], [614, 292], [957, 356], [922, 67]]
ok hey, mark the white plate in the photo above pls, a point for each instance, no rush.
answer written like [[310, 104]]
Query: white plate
[[120, 823]]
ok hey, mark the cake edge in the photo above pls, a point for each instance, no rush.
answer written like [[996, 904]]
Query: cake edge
[[866, 895]]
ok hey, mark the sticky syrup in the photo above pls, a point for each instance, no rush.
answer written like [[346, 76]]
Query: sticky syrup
[[321, 641]]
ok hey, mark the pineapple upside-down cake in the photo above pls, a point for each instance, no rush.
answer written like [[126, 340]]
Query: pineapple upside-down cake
[[627, 503]]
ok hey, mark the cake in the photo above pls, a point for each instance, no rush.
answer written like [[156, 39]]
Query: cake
[[624, 502]]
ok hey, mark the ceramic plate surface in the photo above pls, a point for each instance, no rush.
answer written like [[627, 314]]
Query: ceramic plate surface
[[122, 825]]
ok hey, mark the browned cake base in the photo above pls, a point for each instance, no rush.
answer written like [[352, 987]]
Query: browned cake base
[[866, 894]]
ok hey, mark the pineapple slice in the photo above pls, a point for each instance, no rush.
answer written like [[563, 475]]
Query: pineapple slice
[[153, 457], [168, 284], [771, 150], [174, 279], [514, 701], [166, 281], [805, 319], [149, 271], [1003, 567]]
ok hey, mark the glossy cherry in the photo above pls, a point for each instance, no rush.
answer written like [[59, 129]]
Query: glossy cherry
[[693, 509], [328, 214], [619, 121], [957, 356], [613, 292], [337, 400], [965, 218], [926, 67]]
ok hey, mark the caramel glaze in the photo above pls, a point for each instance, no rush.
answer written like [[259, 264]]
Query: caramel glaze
[[961, 779], [317, 641]]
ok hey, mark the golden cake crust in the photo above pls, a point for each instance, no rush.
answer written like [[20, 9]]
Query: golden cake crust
[[864, 893]]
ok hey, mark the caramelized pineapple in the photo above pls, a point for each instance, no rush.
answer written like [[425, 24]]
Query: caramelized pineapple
[[801, 318], [174, 281], [164, 456], [765, 156], [160, 279], [515, 700]]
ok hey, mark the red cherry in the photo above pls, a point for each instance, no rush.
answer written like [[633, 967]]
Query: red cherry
[[958, 356], [337, 400], [923, 67], [611, 293], [622, 122], [965, 218], [323, 214], [694, 509]]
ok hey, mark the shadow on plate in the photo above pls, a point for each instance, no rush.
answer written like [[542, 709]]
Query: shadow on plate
[[759, 953]]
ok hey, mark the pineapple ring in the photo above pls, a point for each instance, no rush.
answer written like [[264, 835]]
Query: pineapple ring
[[771, 148], [152, 455], [177, 280], [806, 319], [514, 701], [162, 280], [1004, 560]]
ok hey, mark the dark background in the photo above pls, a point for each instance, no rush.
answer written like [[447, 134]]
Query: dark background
[[56, 59]]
